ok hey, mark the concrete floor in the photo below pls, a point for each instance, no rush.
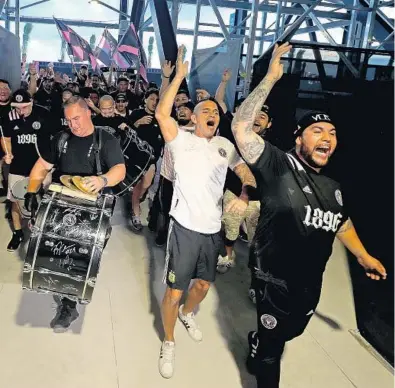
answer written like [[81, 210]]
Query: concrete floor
[[115, 343]]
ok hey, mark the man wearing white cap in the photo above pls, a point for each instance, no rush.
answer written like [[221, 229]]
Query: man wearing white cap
[[21, 128]]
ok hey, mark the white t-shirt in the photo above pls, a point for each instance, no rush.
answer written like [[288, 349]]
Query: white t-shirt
[[167, 168], [200, 168]]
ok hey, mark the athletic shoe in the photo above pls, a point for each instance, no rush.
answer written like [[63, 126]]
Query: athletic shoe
[[17, 238], [224, 263], [190, 324], [253, 344], [136, 223], [166, 359], [64, 317], [251, 294]]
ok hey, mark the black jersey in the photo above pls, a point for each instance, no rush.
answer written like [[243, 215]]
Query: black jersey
[[301, 212], [111, 123], [25, 132]]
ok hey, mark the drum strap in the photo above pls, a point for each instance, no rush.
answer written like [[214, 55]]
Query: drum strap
[[97, 143]]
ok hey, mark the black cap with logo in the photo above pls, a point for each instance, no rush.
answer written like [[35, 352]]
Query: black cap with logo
[[310, 118], [21, 96]]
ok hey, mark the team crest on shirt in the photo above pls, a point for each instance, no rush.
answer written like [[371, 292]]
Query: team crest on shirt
[[18, 98], [172, 277], [339, 198], [222, 152], [268, 321], [36, 125]]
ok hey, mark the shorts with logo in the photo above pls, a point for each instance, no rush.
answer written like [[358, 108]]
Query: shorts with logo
[[14, 179], [190, 255]]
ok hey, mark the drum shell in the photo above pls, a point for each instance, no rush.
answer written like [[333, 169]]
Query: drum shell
[[66, 246], [138, 155]]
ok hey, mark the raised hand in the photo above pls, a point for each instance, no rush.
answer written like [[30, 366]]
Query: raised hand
[[167, 69], [276, 69], [182, 67], [227, 75]]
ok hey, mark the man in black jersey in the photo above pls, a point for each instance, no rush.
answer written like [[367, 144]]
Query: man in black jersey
[[5, 108], [121, 106], [147, 128], [76, 158], [114, 123], [123, 87], [301, 214]]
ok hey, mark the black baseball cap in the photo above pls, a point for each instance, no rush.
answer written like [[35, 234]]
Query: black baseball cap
[[84, 67], [121, 97], [310, 118], [266, 109], [21, 96], [183, 91], [190, 105]]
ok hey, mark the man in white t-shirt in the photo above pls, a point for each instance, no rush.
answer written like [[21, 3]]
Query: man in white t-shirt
[[201, 160]]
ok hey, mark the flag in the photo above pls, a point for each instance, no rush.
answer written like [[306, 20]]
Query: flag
[[129, 47], [77, 46], [106, 52], [143, 61]]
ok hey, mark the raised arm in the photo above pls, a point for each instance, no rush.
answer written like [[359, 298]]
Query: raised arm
[[167, 124], [220, 94], [167, 70], [250, 144]]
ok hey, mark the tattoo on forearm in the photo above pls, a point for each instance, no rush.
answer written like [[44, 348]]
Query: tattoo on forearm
[[346, 226], [250, 144], [245, 175]]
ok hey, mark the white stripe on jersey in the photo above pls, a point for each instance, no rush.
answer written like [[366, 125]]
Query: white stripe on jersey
[[13, 115], [295, 163]]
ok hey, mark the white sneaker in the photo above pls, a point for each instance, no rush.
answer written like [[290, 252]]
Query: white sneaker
[[166, 359], [224, 263], [191, 325]]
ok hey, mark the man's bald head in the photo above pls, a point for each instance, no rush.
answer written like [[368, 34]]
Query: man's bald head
[[76, 100]]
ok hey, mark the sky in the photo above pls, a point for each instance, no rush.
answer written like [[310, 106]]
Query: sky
[[45, 42]]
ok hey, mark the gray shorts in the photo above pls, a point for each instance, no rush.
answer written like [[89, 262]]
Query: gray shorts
[[190, 255]]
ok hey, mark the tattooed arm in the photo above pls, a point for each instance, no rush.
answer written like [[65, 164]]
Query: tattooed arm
[[349, 237], [248, 181], [250, 144]]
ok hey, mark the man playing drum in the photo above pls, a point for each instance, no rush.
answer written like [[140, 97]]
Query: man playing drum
[[76, 156]]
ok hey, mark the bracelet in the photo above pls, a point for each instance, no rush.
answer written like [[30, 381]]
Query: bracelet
[[163, 76], [105, 180]]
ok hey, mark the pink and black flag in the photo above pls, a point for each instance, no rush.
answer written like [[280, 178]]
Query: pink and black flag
[[77, 46], [129, 47], [143, 62], [106, 52]]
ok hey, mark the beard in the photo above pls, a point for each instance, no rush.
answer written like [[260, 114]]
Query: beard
[[308, 157], [183, 122]]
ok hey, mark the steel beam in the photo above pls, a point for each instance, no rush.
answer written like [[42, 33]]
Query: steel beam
[[174, 14], [69, 22], [2, 4], [251, 46], [220, 20], [352, 28], [368, 31], [388, 38], [123, 18], [278, 20], [196, 29], [17, 18], [33, 4], [137, 13], [344, 58]]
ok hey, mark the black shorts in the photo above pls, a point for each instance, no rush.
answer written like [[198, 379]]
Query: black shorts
[[190, 255], [283, 312]]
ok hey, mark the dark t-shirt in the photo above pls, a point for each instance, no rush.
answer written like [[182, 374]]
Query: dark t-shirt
[[301, 212], [112, 123], [25, 133], [78, 157], [134, 101], [149, 132], [52, 101]]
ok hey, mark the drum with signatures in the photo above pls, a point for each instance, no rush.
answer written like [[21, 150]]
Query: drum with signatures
[[66, 245], [139, 155]]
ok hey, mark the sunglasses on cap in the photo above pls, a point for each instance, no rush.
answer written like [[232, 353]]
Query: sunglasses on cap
[[120, 100]]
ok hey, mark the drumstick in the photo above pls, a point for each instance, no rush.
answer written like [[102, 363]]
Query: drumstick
[[5, 144]]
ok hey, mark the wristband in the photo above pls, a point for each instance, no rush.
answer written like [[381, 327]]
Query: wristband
[[163, 76], [105, 180]]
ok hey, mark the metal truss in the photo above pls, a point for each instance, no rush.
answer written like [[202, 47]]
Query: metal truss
[[363, 22]]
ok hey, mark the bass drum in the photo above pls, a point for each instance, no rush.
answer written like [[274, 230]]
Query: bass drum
[[139, 155], [66, 245]]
